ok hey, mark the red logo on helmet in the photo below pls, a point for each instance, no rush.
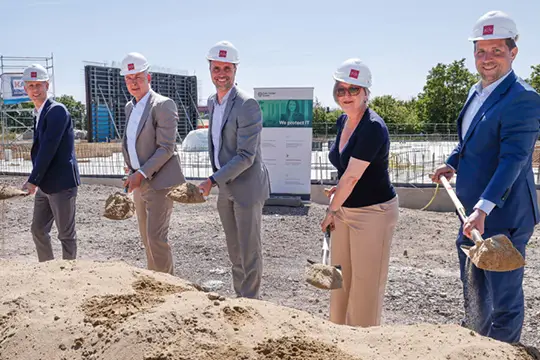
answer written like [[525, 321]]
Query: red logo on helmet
[[131, 66], [354, 74], [488, 30], [223, 53], [33, 74]]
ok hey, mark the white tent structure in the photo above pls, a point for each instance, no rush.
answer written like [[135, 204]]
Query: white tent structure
[[196, 140]]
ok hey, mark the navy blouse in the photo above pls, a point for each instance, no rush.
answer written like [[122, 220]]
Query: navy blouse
[[369, 142]]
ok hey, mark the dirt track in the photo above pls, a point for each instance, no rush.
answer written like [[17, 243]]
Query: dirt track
[[423, 285]]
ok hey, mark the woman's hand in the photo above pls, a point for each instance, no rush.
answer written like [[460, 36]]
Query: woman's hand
[[328, 221]]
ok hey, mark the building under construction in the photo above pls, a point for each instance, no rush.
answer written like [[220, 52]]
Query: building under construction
[[107, 95]]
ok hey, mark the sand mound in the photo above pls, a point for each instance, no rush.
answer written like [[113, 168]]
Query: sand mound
[[8, 192], [119, 206], [90, 310], [186, 193]]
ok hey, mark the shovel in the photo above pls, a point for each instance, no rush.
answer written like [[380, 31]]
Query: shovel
[[187, 193], [8, 192], [496, 253], [324, 276], [119, 206]]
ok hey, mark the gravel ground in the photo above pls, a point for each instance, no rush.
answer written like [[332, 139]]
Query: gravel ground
[[423, 283]]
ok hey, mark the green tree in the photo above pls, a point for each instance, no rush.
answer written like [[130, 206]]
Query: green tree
[[76, 109], [324, 121], [400, 116], [388, 108], [534, 80], [444, 95]]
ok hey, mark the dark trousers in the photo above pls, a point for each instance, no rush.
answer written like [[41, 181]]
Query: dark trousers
[[60, 209], [494, 301]]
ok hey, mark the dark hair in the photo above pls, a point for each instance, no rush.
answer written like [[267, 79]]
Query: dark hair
[[510, 43], [210, 65], [288, 112]]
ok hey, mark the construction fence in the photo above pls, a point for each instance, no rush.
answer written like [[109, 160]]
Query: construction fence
[[412, 159]]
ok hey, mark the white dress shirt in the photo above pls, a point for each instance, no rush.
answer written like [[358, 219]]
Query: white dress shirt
[[217, 122], [131, 132], [37, 113], [480, 95]]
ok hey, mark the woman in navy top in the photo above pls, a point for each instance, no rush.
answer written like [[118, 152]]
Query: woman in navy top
[[364, 209]]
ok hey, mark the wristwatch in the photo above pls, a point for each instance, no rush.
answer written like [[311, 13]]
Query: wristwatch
[[332, 212], [214, 183]]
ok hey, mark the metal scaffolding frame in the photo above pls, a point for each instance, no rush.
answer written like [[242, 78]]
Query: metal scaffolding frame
[[14, 118], [107, 95]]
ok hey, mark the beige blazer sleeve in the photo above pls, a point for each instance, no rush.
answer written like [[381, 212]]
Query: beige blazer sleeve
[[165, 116]]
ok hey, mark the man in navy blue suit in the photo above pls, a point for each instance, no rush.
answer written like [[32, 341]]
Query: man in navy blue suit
[[498, 128], [55, 173]]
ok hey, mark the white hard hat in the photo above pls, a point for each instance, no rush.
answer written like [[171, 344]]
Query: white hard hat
[[223, 51], [35, 72], [354, 72], [133, 63], [494, 25]]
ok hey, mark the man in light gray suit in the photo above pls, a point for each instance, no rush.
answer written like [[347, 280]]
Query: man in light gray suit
[[149, 149], [235, 154]]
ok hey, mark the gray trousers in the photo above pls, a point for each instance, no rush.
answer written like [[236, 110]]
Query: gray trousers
[[242, 226], [60, 209]]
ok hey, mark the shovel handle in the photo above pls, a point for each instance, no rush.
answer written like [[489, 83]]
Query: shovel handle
[[326, 241], [459, 207], [126, 188], [326, 247], [476, 236]]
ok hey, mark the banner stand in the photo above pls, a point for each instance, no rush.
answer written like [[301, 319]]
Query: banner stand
[[287, 142]]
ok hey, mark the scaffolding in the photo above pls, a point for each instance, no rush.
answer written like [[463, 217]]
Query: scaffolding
[[16, 116], [107, 95]]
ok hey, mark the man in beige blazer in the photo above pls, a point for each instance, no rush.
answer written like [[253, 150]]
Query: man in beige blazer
[[149, 149], [234, 140]]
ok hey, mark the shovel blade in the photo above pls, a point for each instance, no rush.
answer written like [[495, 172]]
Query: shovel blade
[[119, 206], [324, 277], [466, 249], [496, 253]]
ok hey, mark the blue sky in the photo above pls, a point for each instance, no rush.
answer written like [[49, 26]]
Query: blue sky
[[281, 43]]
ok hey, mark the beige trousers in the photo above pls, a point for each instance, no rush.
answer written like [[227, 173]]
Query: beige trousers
[[154, 211], [360, 243]]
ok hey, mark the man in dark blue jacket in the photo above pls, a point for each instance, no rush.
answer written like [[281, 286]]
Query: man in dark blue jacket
[[55, 174], [498, 128]]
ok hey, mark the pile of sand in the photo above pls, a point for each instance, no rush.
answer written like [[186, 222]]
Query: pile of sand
[[119, 206], [186, 193], [89, 310]]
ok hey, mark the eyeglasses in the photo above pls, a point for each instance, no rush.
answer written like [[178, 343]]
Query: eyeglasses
[[353, 91]]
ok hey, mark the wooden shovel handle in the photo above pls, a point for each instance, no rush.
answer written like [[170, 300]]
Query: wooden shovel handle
[[459, 207], [476, 236]]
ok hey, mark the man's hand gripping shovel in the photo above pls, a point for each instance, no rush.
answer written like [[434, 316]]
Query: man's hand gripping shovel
[[496, 253]]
